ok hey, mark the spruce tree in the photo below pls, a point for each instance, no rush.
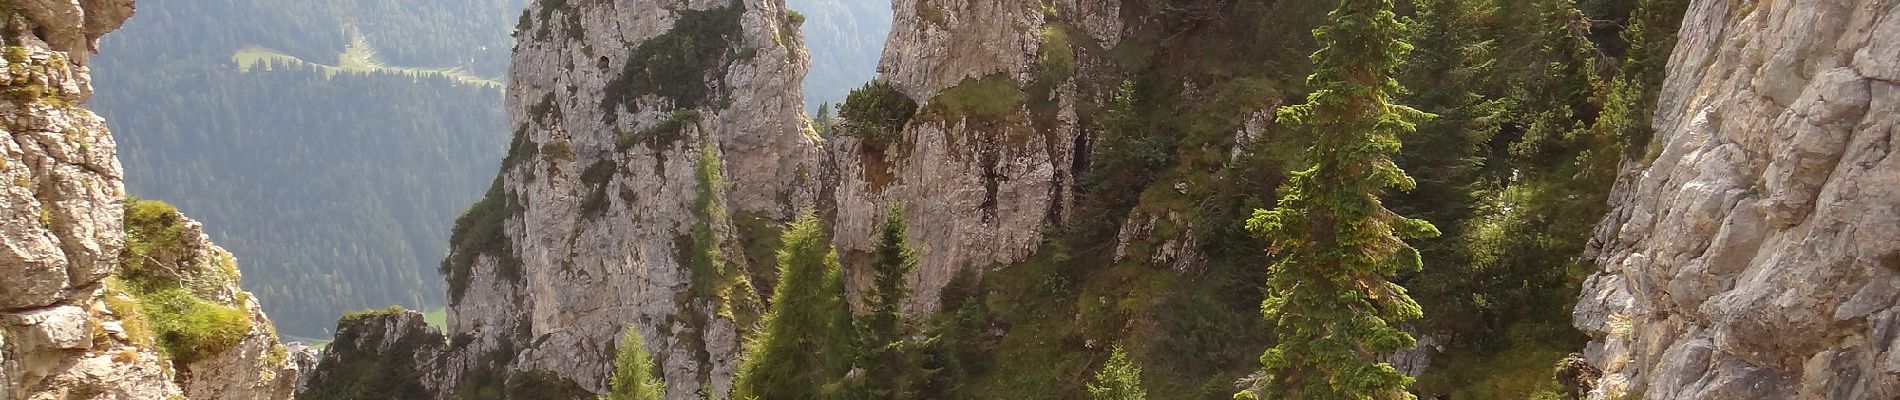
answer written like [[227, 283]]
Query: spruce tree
[[1119, 379], [1330, 293], [888, 366], [803, 350], [634, 377]]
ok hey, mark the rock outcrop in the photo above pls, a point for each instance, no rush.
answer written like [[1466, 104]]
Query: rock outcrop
[[656, 141], [990, 159], [68, 327], [1757, 255], [388, 354]]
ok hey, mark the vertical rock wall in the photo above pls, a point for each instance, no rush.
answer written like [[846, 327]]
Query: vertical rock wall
[[1758, 254], [978, 187], [651, 137], [62, 231]]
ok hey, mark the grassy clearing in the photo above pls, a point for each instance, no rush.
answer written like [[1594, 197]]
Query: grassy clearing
[[437, 317], [357, 57]]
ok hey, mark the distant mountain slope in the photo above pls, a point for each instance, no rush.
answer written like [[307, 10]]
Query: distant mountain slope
[[845, 38], [335, 187]]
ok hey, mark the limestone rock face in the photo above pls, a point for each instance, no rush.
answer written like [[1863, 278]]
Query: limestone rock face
[[1756, 255], [632, 161], [257, 367], [62, 230], [978, 187]]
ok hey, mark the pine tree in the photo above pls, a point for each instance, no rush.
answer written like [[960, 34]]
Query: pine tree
[[634, 377], [1330, 293], [803, 351], [889, 368], [822, 120], [1119, 379]]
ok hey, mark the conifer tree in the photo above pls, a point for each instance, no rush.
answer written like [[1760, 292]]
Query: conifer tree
[[888, 363], [634, 377], [1119, 379], [1330, 293], [803, 350]]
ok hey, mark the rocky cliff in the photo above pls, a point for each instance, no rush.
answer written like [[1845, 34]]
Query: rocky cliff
[[656, 142], [1755, 256], [73, 324], [991, 157]]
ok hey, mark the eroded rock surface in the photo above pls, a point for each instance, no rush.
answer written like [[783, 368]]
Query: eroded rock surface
[[65, 332], [979, 184], [651, 137], [1756, 255]]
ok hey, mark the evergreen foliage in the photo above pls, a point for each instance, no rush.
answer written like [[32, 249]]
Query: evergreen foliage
[[876, 112], [634, 377], [477, 232], [1119, 379], [889, 365], [804, 347], [1330, 294], [347, 372], [674, 65]]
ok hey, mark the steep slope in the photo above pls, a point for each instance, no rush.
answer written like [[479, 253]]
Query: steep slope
[[337, 188], [641, 138], [990, 157], [1755, 255], [649, 146], [84, 313]]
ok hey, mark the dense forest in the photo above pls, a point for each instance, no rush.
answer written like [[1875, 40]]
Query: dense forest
[[1513, 118], [334, 189]]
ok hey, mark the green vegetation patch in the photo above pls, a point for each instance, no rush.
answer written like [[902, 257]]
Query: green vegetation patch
[[519, 149], [595, 178], [349, 372], [759, 238], [660, 135], [190, 328], [479, 232], [544, 385], [700, 250], [674, 65], [358, 58], [993, 98], [877, 112], [1056, 56], [185, 326]]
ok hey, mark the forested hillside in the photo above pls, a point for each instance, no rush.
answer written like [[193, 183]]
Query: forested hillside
[[1532, 105], [334, 187]]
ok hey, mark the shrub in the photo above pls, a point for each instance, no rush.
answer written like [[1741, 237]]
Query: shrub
[[154, 231], [1056, 57], [659, 135], [190, 328], [634, 377], [1119, 379], [478, 231], [992, 98], [596, 177], [151, 299], [674, 65], [876, 112]]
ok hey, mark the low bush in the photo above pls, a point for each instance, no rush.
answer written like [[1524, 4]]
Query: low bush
[[190, 328]]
